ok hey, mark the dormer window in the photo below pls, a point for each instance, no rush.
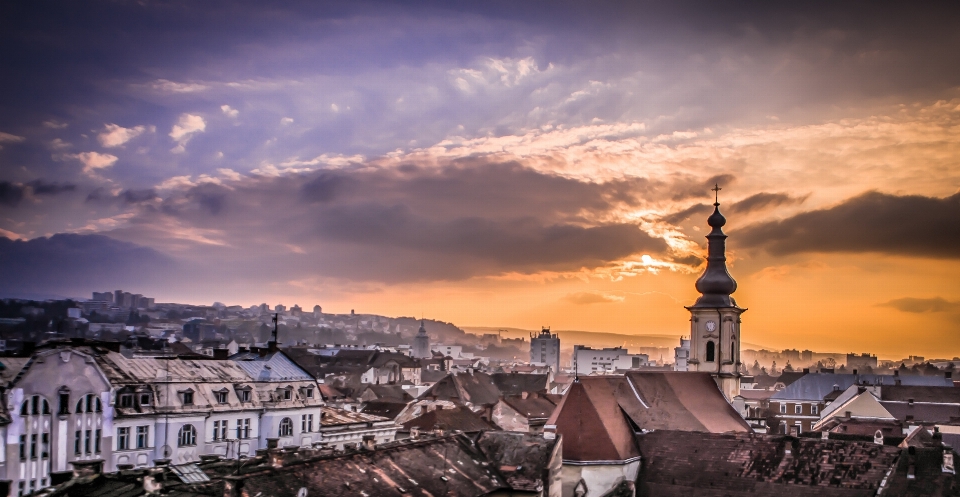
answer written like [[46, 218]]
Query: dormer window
[[144, 399], [308, 392], [221, 396], [186, 397], [126, 400], [243, 393]]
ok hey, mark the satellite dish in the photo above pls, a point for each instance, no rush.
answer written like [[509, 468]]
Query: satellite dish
[[167, 451], [302, 492]]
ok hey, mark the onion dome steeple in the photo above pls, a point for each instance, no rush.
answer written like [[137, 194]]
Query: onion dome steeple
[[716, 284]]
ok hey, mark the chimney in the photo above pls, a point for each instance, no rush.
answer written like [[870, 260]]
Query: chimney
[[369, 442], [221, 354], [232, 486], [273, 443], [806, 370], [896, 372], [56, 478], [847, 415], [276, 457], [87, 468]]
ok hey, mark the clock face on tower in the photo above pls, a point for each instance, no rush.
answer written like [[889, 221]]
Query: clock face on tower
[[711, 325]]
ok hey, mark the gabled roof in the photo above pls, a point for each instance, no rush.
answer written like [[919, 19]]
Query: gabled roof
[[388, 393], [592, 424], [389, 410], [923, 413], [523, 459], [459, 418], [906, 393], [274, 366], [815, 386], [476, 388], [678, 401], [517, 383], [534, 407], [749, 465]]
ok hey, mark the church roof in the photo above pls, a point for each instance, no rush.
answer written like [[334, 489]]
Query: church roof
[[592, 423]]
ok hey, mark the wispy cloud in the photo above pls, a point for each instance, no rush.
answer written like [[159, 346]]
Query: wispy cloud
[[922, 305], [588, 298], [114, 135]]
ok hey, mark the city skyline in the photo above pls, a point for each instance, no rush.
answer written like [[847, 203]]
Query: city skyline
[[494, 165]]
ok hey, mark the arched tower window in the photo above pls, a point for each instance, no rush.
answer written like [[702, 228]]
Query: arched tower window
[[733, 350], [711, 351]]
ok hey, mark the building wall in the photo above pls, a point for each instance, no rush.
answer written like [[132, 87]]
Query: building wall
[[599, 479], [807, 417], [545, 349]]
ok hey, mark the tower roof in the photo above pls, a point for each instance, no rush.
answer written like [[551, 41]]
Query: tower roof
[[715, 284]]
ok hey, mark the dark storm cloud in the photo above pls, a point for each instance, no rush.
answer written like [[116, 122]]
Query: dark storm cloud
[[764, 200], [919, 306], [125, 197], [67, 263], [12, 193], [682, 215], [911, 225]]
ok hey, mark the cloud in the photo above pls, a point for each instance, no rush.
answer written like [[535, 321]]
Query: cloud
[[92, 161], [911, 225], [69, 263], [682, 215], [11, 194], [229, 111], [188, 126], [587, 298], [764, 200], [114, 135], [8, 138], [919, 306], [167, 86]]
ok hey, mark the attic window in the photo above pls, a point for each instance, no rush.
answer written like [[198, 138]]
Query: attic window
[[144, 399], [309, 393], [243, 393], [221, 396], [126, 400], [186, 397]]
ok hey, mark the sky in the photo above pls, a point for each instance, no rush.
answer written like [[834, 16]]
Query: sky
[[493, 163]]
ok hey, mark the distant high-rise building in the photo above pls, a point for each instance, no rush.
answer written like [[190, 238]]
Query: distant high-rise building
[[545, 349], [279, 308], [317, 311], [264, 308], [103, 297], [421, 344], [296, 310]]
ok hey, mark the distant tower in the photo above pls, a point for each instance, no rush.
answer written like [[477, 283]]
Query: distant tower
[[545, 349], [715, 316], [421, 344]]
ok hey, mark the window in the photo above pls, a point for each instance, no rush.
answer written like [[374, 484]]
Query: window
[[306, 423], [187, 436], [87, 435], [144, 399], [97, 405], [309, 393], [783, 408], [79, 406], [143, 436], [221, 397], [244, 395], [243, 428], [25, 408], [96, 440], [63, 406], [126, 400], [287, 393], [220, 430], [23, 447], [33, 446], [814, 409], [188, 398], [45, 445], [76, 443], [123, 438], [286, 427], [711, 351], [798, 409]]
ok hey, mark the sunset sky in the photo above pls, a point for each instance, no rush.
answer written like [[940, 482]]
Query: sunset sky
[[493, 163]]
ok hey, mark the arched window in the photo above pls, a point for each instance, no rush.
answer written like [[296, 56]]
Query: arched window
[[187, 437], [79, 408], [733, 350], [98, 406], [25, 408], [46, 407], [711, 351], [286, 427], [34, 406]]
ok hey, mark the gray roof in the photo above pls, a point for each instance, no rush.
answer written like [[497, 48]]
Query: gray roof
[[272, 367], [815, 386]]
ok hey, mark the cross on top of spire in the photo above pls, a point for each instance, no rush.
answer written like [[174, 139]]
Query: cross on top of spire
[[716, 190]]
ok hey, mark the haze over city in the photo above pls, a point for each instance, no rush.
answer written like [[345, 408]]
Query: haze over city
[[493, 164]]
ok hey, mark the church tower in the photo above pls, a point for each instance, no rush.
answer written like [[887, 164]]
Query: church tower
[[421, 344], [715, 316]]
